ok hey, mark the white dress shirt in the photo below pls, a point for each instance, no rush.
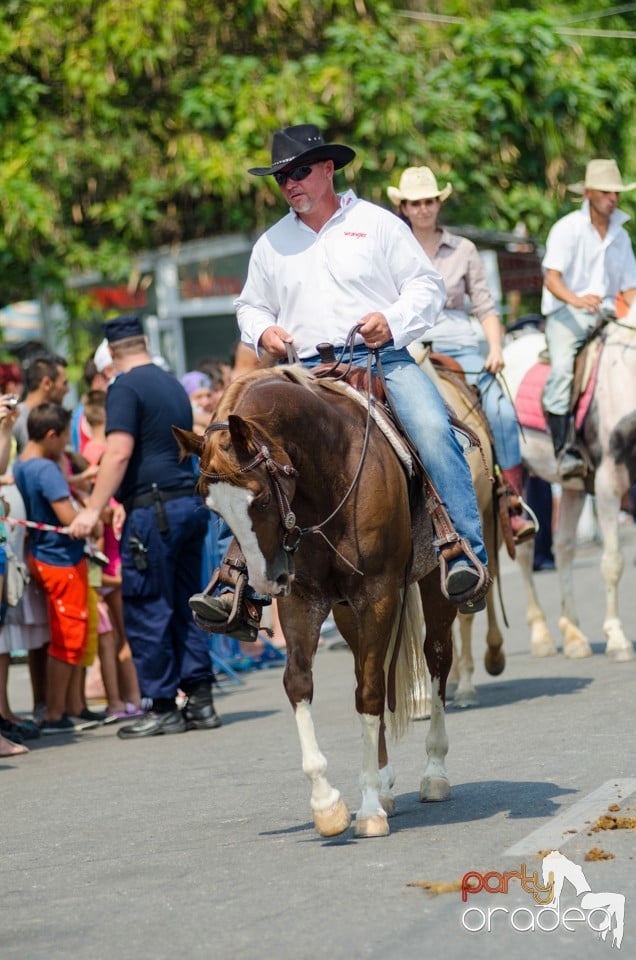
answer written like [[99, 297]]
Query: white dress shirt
[[318, 285], [587, 262]]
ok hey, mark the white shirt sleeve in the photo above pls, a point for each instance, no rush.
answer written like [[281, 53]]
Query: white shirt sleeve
[[257, 306], [421, 289]]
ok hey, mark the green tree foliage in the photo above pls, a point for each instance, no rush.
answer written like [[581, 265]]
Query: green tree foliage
[[128, 124]]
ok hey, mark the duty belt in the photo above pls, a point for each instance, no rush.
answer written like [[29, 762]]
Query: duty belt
[[150, 498]]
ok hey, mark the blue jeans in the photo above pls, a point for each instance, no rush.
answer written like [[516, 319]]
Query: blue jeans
[[423, 413], [565, 331], [497, 407]]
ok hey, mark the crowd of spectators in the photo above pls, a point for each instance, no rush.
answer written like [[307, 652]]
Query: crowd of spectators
[[69, 621]]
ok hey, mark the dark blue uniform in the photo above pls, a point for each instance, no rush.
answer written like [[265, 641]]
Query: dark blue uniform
[[162, 540]]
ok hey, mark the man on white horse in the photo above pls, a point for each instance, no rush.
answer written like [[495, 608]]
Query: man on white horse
[[588, 261]]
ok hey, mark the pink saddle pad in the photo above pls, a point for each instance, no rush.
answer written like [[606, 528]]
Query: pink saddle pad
[[528, 400]]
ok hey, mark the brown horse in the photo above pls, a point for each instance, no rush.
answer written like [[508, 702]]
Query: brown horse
[[320, 505]]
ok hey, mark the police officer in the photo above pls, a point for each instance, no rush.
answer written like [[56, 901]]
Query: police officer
[[162, 540]]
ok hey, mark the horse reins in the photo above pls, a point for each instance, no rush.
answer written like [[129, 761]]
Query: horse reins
[[263, 456], [292, 357]]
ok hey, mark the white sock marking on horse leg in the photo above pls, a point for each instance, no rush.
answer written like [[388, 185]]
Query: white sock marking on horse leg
[[387, 779], [370, 780], [323, 795], [437, 739]]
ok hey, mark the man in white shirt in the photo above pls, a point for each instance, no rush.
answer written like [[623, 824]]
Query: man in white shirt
[[335, 261], [588, 261]]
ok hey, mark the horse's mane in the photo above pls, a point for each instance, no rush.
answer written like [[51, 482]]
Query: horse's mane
[[223, 462], [295, 373]]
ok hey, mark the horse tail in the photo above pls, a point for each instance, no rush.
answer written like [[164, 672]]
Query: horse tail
[[410, 671]]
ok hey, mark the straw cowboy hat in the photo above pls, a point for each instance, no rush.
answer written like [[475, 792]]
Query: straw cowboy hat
[[417, 183], [602, 175], [304, 142]]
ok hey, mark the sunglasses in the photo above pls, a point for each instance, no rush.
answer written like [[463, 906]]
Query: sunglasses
[[430, 202], [298, 173]]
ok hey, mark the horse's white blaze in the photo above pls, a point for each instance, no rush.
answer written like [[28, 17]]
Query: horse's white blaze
[[233, 505], [323, 795], [370, 780]]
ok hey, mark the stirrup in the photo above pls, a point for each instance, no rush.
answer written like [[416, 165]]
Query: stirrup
[[511, 504], [473, 599], [233, 613], [576, 470]]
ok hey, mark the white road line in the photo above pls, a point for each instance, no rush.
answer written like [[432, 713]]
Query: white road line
[[578, 817]]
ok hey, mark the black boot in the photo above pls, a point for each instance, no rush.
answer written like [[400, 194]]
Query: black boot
[[199, 712], [229, 613], [163, 718], [570, 463]]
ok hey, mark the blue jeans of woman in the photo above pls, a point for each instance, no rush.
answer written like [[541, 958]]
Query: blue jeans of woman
[[497, 407]]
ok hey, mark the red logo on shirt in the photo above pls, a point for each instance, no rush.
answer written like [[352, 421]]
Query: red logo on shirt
[[356, 236]]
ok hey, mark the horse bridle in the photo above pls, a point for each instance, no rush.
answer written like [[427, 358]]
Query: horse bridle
[[274, 469], [287, 516]]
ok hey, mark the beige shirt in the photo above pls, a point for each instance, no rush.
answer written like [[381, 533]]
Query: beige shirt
[[458, 261]]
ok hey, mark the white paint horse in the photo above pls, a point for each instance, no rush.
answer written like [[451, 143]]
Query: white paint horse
[[609, 434]]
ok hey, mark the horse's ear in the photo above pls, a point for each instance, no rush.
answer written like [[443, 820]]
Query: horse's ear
[[241, 433], [188, 442]]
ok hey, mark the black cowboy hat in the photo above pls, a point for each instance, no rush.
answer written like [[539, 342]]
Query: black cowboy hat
[[303, 142]]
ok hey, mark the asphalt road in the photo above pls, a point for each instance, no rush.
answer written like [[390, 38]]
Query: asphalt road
[[201, 845]]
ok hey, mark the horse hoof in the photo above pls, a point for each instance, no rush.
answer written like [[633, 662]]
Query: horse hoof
[[494, 662], [463, 701], [622, 655], [332, 822], [388, 804], [577, 649], [543, 648], [575, 644], [433, 789], [376, 826]]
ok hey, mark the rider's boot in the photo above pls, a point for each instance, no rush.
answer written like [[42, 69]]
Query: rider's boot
[[570, 463], [522, 524], [234, 612], [465, 579], [461, 585]]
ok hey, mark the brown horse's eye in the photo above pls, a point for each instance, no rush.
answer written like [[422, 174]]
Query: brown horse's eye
[[263, 500]]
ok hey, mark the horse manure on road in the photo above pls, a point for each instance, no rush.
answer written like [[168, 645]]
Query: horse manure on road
[[597, 854], [611, 822]]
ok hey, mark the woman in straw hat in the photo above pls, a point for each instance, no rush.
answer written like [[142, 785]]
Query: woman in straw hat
[[588, 261], [419, 201]]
